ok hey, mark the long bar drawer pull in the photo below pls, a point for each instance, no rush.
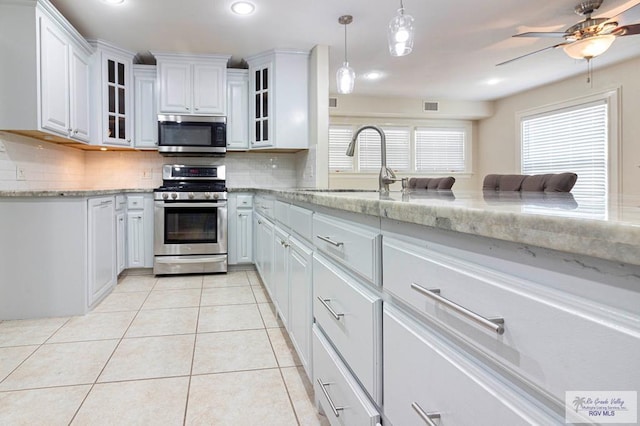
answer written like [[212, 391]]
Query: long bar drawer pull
[[427, 417], [493, 324], [325, 303], [326, 394], [330, 241]]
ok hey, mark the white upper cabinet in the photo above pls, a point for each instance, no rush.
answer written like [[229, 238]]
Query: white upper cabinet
[[64, 82], [112, 95], [237, 109], [279, 99], [145, 107], [45, 73], [79, 104], [192, 84], [54, 77]]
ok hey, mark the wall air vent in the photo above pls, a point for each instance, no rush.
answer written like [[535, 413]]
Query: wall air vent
[[333, 102], [429, 106]]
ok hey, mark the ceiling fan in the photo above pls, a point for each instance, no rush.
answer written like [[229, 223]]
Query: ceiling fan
[[591, 36]]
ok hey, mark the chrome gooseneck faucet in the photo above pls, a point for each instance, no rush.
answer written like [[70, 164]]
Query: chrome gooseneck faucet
[[386, 174]]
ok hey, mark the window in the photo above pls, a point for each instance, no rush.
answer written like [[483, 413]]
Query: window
[[339, 138], [369, 149], [440, 150], [572, 139]]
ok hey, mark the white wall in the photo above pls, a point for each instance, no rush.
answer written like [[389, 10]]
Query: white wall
[[498, 135], [45, 165]]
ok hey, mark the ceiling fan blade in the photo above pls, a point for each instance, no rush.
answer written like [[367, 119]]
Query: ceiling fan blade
[[627, 30], [531, 53], [540, 34], [627, 17]]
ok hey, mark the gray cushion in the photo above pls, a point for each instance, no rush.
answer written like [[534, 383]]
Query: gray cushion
[[432, 183], [555, 182]]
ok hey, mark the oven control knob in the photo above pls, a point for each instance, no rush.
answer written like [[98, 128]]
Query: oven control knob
[[174, 195], [191, 195], [216, 196], [165, 195], [207, 195]]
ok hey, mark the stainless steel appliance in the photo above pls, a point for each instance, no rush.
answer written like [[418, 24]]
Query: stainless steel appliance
[[190, 220], [192, 134]]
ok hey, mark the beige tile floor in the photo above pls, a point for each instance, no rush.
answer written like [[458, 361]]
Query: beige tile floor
[[194, 350]]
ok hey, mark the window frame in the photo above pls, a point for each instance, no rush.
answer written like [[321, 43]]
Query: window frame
[[612, 99]]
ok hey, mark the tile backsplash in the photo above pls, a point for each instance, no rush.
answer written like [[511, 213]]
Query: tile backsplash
[[30, 164]]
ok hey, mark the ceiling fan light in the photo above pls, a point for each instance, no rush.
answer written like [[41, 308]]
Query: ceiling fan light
[[589, 47], [400, 34], [345, 79]]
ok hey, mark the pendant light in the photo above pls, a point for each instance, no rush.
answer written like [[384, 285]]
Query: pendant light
[[400, 33], [345, 77]]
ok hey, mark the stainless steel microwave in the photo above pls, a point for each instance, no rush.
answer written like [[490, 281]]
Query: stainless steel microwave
[[192, 134]]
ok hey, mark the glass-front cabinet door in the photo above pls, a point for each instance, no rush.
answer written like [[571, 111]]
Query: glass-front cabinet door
[[115, 111], [261, 106]]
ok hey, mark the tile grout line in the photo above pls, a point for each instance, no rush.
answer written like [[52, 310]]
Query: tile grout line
[[75, 414], [193, 355], [34, 351]]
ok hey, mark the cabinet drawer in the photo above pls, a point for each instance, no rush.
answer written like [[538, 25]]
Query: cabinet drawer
[[553, 339], [135, 202], [301, 221], [350, 316], [339, 389], [121, 202], [281, 212], [353, 245], [244, 201], [423, 371], [265, 206]]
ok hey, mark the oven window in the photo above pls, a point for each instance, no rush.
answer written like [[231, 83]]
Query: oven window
[[190, 225]]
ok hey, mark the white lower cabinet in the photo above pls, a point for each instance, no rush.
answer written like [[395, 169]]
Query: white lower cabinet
[[264, 250], [427, 378], [135, 240], [350, 315], [300, 263], [101, 248], [337, 393], [121, 242], [139, 231], [280, 273]]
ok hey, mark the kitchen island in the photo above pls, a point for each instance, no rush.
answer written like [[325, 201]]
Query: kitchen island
[[481, 304]]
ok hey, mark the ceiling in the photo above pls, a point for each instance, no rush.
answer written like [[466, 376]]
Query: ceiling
[[457, 43]]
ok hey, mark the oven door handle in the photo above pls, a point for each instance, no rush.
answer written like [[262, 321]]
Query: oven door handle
[[192, 204]]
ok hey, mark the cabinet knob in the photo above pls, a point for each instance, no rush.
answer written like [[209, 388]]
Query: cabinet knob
[[75, 132], [197, 109], [128, 140]]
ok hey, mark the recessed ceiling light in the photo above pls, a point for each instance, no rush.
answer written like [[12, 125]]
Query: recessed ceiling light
[[113, 1], [493, 81], [373, 75], [242, 8]]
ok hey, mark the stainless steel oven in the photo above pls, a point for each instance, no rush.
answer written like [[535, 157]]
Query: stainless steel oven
[[190, 220]]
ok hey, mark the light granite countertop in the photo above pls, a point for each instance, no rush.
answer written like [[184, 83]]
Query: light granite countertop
[[72, 192], [606, 228]]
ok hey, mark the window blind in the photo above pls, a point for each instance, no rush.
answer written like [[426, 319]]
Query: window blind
[[570, 140], [369, 150], [439, 149], [339, 138]]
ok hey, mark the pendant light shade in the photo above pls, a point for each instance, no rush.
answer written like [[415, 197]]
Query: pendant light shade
[[400, 33], [345, 77]]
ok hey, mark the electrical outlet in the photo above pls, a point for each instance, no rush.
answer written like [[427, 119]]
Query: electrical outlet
[[20, 173]]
